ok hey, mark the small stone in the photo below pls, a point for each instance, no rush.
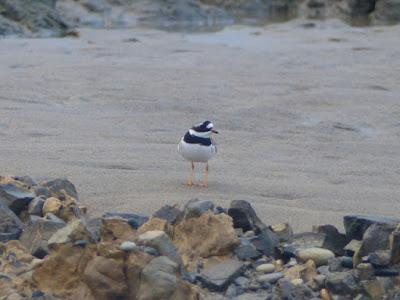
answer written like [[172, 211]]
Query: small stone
[[265, 268], [128, 246], [347, 262], [270, 278], [318, 255], [233, 291]]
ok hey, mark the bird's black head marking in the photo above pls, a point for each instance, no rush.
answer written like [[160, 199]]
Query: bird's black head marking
[[203, 127]]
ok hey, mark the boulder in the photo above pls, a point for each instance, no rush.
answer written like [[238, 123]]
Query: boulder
[[219, 276], [244, 216], [61, 272], [135, 220], [36, 235], [73, 231], [203, 237], [60, 188], [36, 206], [356, 225], [117, 228], [334, 240], [105, 278], [169, 213], [162, 243], [15, 197], [196, 207], [342, 283], [155, 224], [52, 205], [10, 225], [320, 256]]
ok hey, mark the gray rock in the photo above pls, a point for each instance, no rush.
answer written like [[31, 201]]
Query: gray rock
[[128, 246], [169, 213], [356, 225], [347, 262], [158, 279], [302, 241], [387, 11], [15, 198], [270, 278], [135, 220], [162, 243], [151, 251], [36, 235], [26, 180], [42, 191], [243, 282], [395, 247], [285, 289], [52, 217], [233, 291], [10, 27], [73, 231], [59, 186], [247, 252], [342, 283], [245, 217], [219, 276], [35, 206], [266, 268], [380, 258], [334, 240], [352, 247], [196, 207], [387, 272], [10, 225]]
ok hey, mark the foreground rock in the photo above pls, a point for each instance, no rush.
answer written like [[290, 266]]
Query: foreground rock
[[197, 252]]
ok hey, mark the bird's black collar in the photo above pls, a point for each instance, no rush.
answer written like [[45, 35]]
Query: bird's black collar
[[192, 139]]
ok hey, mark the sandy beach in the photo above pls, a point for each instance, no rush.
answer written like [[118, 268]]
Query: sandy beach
[[309, 117]]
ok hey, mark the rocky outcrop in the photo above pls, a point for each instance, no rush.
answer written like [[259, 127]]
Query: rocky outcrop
[[199, 252]]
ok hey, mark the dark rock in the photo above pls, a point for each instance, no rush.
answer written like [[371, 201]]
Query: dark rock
[[302, 241], [356, 225], [233, 291], [37, 294], [196, 207], [352, 247], [243, 282], [336, 264], [246, 252], [35, 206], [10, 225], [60, 187], [334, 240], [36, 235], [15, 198], [356, 8], [387, 11], [81, 243], [342, 283], [26, 180], [285, 289], [169, 213], [135, 220], [395, 247], [364, 271], [245, 217], [219, 276], [220, 210], [284, 231], [387, 272], [10, 27], [380, 258], [41, 191], [347, 262]]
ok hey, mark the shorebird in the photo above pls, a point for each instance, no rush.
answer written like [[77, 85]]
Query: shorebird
[[197, 146]]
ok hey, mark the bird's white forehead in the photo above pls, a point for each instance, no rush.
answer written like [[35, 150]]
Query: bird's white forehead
[[211, 125]]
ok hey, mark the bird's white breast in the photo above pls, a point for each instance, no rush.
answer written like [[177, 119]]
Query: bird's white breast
[[196, 152]]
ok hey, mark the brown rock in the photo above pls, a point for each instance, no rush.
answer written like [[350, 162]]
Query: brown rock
[[111, 249], [306, 271], [61, 272], [206, 236], [52, 205], [325, 295], [155, 224], [15, 258], [134, 265], [117, 228], [105, 277]]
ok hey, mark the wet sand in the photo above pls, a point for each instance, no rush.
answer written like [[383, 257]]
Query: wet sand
[[309, 118]]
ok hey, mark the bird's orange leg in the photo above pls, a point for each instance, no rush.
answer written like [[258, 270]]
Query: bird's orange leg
[[190, 180], [205, 182]]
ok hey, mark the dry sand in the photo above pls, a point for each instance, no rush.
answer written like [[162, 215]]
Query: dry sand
[[309, 119]]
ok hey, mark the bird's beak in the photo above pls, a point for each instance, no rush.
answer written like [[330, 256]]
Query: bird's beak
[[214, 131]]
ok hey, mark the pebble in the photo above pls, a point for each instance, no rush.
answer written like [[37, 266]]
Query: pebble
[[128, 246], [270, 278], [265, 268]]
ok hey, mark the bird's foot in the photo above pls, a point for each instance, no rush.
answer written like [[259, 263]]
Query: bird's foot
[[190, 183]]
